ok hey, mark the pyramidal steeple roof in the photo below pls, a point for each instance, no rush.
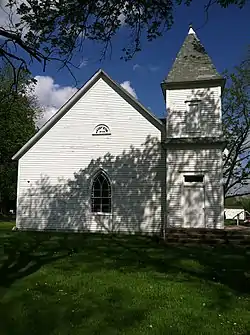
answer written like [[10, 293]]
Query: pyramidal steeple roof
[[192, 62]]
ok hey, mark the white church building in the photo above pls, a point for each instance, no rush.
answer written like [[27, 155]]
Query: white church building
[[104, 163]]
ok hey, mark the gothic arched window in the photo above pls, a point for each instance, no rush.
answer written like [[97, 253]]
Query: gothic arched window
[[101, 194]]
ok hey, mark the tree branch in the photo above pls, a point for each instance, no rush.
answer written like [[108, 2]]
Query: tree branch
[[16, 39]]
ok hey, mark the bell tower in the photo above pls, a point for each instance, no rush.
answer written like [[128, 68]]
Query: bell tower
[[194, 142]]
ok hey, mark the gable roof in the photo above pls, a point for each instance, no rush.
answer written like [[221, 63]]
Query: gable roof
[[192, 63], [77, 96]]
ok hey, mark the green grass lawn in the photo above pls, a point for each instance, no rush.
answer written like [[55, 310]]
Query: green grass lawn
[[8, 225], [96, 284]]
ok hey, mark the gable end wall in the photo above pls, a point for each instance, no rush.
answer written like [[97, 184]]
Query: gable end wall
[[54, 182]]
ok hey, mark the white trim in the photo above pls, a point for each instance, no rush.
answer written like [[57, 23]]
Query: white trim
[[222, 192], [18, 195], [201, 185], [94, 175], [95, 132], [220, 111], [193, 173], [206, 203], [168, 111], [189, 104], [102, 213], [193, 183]]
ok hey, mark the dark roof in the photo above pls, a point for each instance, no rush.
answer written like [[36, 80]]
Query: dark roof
[[192, 63]]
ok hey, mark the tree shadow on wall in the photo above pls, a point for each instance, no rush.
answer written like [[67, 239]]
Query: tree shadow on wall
[[138, 205], [190, 153], [137, 182]]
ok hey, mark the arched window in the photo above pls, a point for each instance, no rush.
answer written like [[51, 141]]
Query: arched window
[[101, 194], [102, 129]]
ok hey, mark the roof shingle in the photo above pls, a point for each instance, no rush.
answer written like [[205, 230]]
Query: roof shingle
[[192, 63]]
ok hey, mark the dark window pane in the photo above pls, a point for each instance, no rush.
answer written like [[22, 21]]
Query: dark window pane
[[96, 208], [97, 193], [97, 184], [101, 194], [105, 184], [101, 179], [97, 200], [106, 201], [106, 208], [194, 179], [105, 193]]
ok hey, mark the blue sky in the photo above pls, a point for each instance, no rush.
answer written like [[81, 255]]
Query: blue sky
[[225, 37]]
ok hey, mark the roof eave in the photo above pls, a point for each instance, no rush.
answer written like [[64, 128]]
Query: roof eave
[[195, 141], [212, 82], [73, 100], [53, 120]]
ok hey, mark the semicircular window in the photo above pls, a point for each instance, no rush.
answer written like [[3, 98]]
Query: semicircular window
[[101, 194], [101, 129]]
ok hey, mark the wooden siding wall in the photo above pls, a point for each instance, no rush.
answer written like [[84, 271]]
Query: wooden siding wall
[[203, 161], [55, 174], [210, 111]]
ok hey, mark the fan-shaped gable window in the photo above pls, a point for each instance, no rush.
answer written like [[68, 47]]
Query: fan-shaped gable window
[[101, 129], [101, 194]]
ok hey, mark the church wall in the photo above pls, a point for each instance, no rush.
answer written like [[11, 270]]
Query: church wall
[[179, 121], [193, 161], [55, 175]]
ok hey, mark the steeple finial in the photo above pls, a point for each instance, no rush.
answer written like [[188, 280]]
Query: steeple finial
[[191, 30]]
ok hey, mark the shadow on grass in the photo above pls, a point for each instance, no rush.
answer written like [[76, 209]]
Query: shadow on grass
[[41, 311], [97, 314], [227, 265], [25, 253]]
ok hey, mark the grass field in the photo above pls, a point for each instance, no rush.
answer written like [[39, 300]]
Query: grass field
[[94, 284]]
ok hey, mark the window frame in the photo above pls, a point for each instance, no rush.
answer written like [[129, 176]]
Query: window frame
[[193, 183], [93, 197], [194, 176], [95, 132], [189, 126]]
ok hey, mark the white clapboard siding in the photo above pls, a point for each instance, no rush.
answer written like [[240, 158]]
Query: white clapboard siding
[[205, 161], [55, 175], [209, 106]]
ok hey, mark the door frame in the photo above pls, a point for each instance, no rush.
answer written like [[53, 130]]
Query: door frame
[[193, 184]]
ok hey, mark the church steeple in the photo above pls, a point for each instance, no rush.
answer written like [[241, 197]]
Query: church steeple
[[193, 139], [192, 62]]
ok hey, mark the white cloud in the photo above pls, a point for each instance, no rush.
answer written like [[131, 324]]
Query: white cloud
[[48, 112], [122, 18], [6, 15], [127, 86], [84, 62], [51, 96], [136, 66], [153, 68]]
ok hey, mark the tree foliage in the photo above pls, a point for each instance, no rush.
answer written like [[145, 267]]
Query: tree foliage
[[46, 30], [236, 122], [18, 111]]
